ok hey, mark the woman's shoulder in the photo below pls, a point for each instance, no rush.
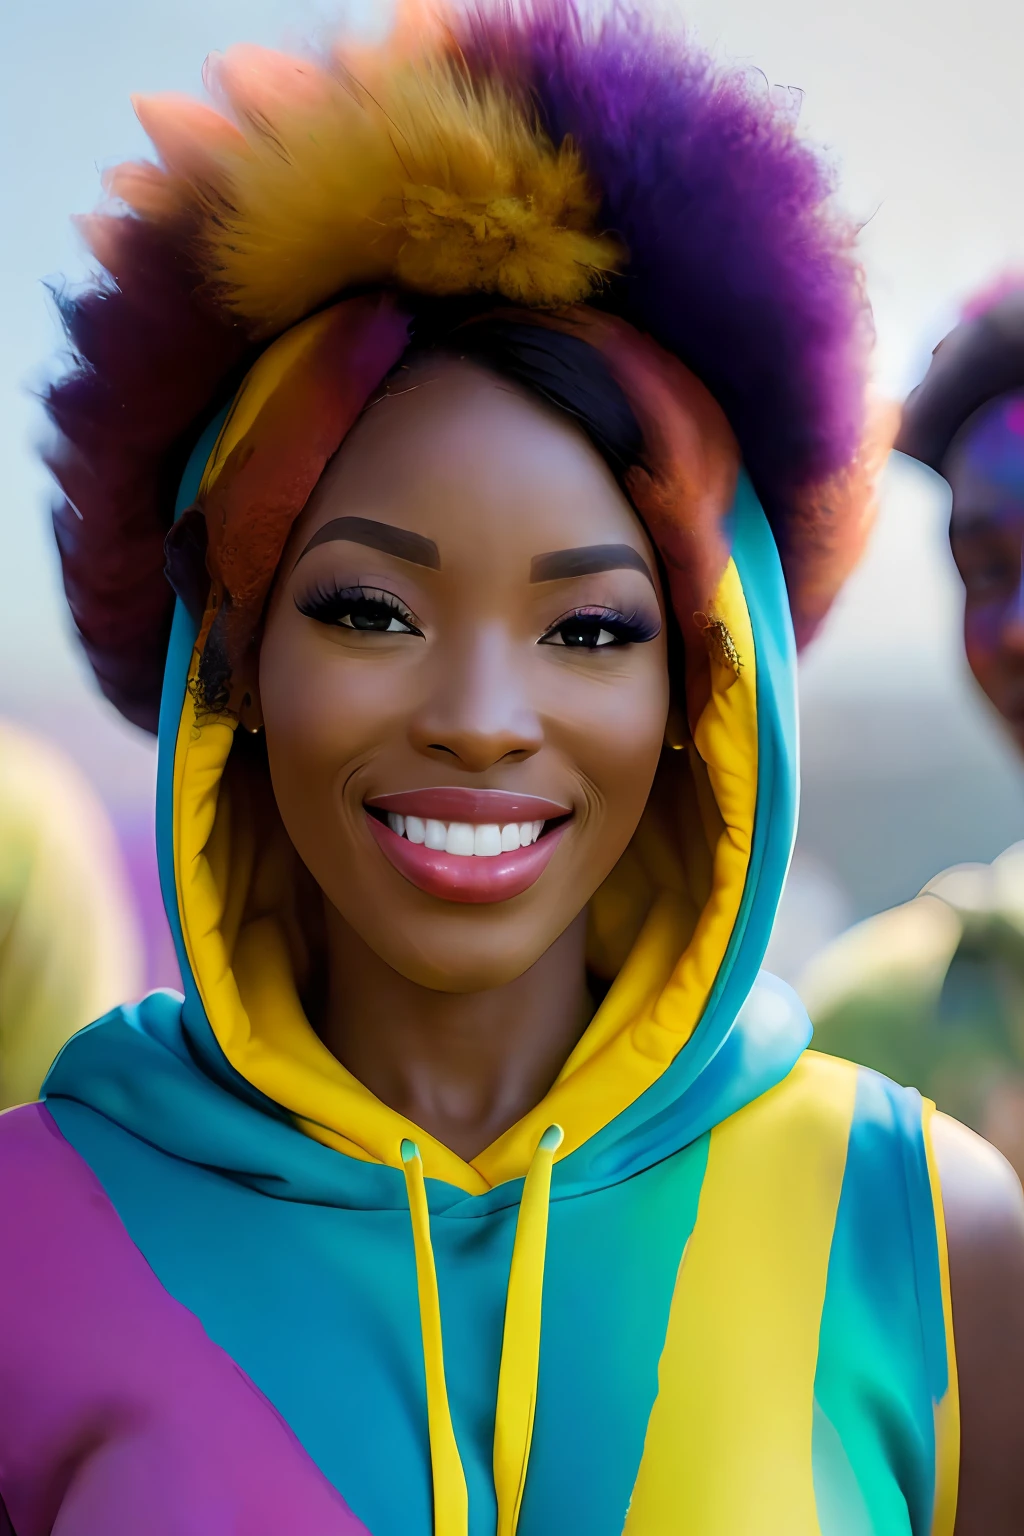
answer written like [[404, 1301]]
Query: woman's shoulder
[[984, 1218], [35, 1161], [101, 1367], [46, 1191]]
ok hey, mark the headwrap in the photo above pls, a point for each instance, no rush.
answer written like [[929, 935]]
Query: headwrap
[[608, 180]]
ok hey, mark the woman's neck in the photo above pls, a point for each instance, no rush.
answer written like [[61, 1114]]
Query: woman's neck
[[464, 1066]]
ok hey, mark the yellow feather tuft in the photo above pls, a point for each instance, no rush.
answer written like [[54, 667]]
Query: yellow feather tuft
[[416, 175]]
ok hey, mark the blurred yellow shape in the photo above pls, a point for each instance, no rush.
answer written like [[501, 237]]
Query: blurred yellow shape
[[70, 946]]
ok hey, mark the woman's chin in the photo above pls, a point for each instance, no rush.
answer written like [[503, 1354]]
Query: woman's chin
[[459, 963], [458, 946]]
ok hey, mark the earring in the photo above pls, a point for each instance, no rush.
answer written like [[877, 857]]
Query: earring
[[676, 734]]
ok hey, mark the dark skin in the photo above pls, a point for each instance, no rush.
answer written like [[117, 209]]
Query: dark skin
[[985, 469], [461, 1016], [981, 1193]]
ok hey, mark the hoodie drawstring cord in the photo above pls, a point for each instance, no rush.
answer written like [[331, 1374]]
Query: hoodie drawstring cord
[[520, 1339], [520, 1347], [451, 1501]]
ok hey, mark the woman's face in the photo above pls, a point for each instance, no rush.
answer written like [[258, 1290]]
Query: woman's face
[[463, 678], [985, 468]]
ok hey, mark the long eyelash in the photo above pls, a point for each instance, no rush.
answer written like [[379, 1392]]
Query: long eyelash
[[328, 603], [628, 628]]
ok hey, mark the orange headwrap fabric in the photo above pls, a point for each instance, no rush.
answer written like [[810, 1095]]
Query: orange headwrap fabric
[[322, 372], [685, 489]]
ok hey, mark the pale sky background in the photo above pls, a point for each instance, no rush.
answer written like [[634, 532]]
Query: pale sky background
[[920, 104]]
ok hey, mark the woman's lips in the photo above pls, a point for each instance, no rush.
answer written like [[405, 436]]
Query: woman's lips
[[464, 876]]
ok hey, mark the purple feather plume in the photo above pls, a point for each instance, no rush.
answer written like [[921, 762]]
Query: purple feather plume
[[148, 361], [737, 263]]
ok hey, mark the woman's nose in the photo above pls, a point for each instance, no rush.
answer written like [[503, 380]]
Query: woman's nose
[[478, 711]]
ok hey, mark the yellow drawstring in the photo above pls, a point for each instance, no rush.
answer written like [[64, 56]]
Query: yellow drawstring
[[520, 1340], [520, 1348], [451, 1501]]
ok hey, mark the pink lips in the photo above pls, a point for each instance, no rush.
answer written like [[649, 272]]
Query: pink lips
[[472, 879]]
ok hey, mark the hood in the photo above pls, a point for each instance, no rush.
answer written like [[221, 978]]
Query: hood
[[686, 1034]]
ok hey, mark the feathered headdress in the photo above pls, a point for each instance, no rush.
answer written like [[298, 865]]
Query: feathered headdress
[[517, 152]]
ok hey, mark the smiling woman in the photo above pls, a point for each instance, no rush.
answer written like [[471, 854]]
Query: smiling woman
[[496, 401], [508, 699]]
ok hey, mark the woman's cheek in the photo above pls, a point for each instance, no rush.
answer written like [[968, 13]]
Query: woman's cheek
[[614, 731], [329, 705], [982, 624]]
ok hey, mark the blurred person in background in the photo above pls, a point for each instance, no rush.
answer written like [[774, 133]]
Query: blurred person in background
[[932, 992], [70, 948]]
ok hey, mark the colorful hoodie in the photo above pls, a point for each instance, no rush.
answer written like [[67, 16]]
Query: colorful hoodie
[[231, 1302]]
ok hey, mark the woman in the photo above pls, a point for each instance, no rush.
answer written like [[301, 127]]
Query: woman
[[478, 1183], [932, 991]]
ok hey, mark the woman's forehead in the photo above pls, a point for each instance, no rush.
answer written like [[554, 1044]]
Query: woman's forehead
[[985, 466], [453, 454]]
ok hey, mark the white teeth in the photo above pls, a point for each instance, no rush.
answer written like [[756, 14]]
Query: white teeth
[[463, 838], [487, 841], [435, 835]]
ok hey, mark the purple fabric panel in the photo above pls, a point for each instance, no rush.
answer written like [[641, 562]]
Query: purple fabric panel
[[118, 1414]]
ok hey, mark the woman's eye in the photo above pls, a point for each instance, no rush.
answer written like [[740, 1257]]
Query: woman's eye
[[378, 613], [369, 615], [588, 633], [586, 630]]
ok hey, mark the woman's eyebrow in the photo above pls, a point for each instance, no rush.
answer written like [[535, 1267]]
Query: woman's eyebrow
[[587, 561], [383, 536]]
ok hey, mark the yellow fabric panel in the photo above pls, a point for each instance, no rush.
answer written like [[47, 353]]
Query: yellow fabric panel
[[947, 1412], [736, 1377]]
